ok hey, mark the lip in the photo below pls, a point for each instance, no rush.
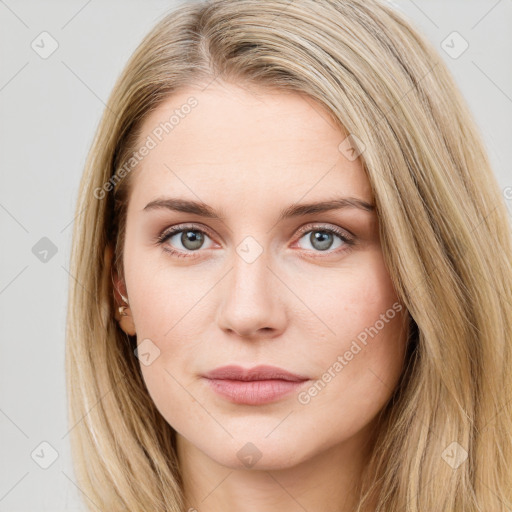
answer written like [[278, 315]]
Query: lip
[[253, 386]]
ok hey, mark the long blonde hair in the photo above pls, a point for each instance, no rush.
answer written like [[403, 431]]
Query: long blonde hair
[[444, 232]]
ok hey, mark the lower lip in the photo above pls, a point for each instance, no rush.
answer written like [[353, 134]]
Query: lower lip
[[254, 392]]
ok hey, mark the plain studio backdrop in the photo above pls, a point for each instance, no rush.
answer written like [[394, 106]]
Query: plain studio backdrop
[[59, 62]]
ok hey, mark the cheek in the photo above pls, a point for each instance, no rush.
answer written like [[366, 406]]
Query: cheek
[[170, 320], [163, 299], [346, 303], [359, 358]]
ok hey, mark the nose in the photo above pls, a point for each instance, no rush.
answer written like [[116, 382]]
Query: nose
[[252, 301]]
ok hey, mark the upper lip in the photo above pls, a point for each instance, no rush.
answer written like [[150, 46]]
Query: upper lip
[[262, 372]]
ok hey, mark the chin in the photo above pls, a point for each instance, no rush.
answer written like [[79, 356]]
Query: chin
[[257, 454]]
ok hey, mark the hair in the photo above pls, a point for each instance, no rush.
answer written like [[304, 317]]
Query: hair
[[444, 231]]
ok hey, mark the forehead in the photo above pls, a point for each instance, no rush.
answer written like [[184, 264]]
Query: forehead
[[229, 143]]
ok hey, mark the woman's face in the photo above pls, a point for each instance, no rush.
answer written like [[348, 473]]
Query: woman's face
[[255, 278]]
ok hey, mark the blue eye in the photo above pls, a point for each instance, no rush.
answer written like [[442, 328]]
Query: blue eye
[[184, 241], [324, 239], [190, 238]]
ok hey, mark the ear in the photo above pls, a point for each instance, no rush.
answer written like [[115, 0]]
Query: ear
[[119, 287], [117, 282]]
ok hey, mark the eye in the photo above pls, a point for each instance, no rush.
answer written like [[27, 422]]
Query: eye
[[326, 239], [184, 239]]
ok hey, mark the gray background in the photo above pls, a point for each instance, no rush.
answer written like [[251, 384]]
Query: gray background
[[49, 110]]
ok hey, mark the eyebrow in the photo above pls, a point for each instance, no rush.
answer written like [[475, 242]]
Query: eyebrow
[[294, 210]]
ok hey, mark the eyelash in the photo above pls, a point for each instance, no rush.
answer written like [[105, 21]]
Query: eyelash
[[160, 239]]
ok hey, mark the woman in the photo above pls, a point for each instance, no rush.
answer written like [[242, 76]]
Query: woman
[[292, 273]]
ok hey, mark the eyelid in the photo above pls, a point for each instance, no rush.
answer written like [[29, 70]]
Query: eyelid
[[346, 236], [317, 226], [300, 231], [167, 232]]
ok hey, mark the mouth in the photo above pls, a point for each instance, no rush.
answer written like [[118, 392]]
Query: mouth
[[254, 386]]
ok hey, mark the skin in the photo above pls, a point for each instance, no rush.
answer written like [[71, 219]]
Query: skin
[[249, 153]]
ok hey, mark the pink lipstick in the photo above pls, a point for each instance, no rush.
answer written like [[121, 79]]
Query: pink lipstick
[[255, 386]]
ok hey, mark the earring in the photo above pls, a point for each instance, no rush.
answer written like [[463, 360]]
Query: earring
[[125, 319], [122, 309], [121, 314]]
